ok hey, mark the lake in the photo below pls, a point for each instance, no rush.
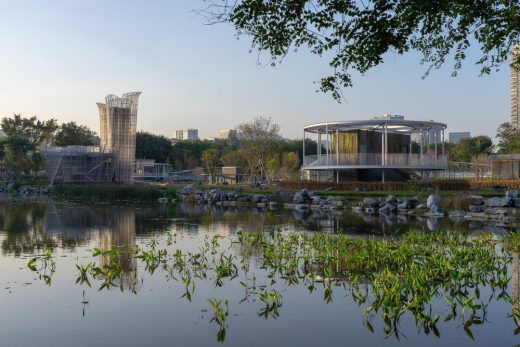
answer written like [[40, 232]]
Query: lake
[[146, 304]]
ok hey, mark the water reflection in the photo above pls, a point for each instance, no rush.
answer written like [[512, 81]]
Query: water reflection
[[29, 227]]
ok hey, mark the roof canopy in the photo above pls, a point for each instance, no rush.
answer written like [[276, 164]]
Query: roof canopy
[[393, 125]]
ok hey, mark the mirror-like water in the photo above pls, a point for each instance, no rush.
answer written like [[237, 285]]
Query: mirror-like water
[[153, 309]]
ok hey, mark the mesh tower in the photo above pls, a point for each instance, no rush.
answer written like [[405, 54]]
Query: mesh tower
[[118, 118], [515, 89]]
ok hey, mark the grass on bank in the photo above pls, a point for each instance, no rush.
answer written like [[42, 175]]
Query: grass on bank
[[109, 192]]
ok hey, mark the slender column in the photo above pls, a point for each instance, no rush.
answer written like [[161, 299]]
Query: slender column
[[442, 142], [337, 147], [327, 143], [421, 148], [318, 150], [386, 144], [410, 150], [436, 139], [383, 147]]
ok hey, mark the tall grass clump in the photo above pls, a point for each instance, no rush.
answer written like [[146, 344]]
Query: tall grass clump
[[108, 192]]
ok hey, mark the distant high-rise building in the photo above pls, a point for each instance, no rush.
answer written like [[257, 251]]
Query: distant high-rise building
[[455, 137], [515, 89], [188, 134]]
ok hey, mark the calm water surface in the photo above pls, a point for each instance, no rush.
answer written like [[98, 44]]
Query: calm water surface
[[151, 310]]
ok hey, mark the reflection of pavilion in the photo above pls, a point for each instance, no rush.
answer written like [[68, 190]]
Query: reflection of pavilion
[[113, 227]]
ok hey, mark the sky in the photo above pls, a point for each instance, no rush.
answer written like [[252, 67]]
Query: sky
[[58, 58]]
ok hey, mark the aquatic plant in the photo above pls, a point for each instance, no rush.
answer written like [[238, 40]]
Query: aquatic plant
[[388, 277], [44, 266]]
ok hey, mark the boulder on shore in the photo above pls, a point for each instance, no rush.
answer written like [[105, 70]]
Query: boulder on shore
[[433, 200]]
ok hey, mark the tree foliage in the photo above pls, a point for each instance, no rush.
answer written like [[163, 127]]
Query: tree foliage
[[259, 140], [508, 139], [150, 146], [35, 131], [468, 148], [74, 134], [356, 35]]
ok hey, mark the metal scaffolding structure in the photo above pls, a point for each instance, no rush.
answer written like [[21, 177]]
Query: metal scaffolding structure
[[109, 162], [80, 164], [118, 119]]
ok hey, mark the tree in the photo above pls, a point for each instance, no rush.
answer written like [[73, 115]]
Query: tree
[[74, 134], [210, 158], [259, 140], [356, 35], [35, 131], [152, 146], [19, 154], [508, 139], [470, 147]]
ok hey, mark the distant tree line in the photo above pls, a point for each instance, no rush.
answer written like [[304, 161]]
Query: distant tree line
[[19, 149], [257, 148]]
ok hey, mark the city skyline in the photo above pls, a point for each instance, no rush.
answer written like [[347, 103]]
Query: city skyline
[[199, 76]]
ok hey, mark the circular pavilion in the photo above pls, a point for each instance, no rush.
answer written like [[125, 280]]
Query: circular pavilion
[[384, 148]]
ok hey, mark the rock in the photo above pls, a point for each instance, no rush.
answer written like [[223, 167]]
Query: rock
[[476, 199], [433, 224], [387, 209], [457, 213], [316, 200], [498, 202], [477, 208], [162, 200], [496, 211], [258, 198], [433, 200], [421, 207], [390, 199], [435, 209], [273, 205], [516, 202], [305, 193], [369, 210], [312, 193], [369, 202], [10, 186], [511, 193], [298, 198], [237, 192], [186, 190], [263, 186], [357, 209], [404, 204], [302, 207]]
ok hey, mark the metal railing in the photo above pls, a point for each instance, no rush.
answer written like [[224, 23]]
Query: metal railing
[[395, 160]]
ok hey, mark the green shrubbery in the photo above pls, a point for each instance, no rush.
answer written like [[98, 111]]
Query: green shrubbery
[[108, 192]]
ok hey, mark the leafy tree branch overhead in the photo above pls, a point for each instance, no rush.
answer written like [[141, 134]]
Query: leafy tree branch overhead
[[356, 34]]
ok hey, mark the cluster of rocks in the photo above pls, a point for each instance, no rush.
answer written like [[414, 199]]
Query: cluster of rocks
[[306, 199], [391, 204], [27, 190]]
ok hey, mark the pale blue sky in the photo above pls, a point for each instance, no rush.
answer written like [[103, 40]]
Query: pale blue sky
[[61, 57]]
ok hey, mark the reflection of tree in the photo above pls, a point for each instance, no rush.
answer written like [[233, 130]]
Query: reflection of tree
[[24, 228]]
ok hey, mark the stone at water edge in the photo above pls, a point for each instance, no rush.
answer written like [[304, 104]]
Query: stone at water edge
[[498, 202], [370, 202], [476, 199], [298, 198], [433, 200], [186, 190], [390, 199], [387, 209], [457, 213], [511, 193], [477, 208]]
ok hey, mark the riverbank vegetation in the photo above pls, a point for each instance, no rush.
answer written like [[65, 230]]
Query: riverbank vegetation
[[109, 192]]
